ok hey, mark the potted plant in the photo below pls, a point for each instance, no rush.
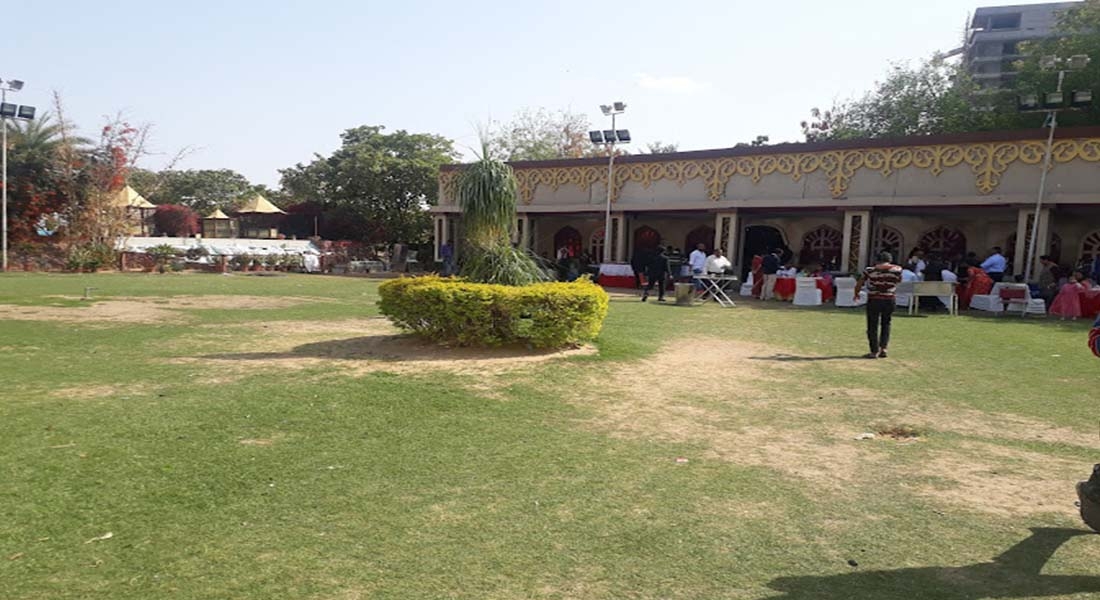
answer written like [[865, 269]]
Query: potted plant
[[271, 262], [162, 254]]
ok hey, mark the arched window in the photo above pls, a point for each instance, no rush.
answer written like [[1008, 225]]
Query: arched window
[[595, 245], [1090, 248], [700, 235], [821, 245], [888, 239], [943, 240], [569, 238]]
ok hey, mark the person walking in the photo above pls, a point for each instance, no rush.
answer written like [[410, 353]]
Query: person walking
[[657, 274], [882, 282]]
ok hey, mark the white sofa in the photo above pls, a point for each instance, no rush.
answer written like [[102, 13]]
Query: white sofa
[[806, 292], [845, 292]]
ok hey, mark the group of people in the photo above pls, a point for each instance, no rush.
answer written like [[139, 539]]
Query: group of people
[[768, 268], [665, 264]]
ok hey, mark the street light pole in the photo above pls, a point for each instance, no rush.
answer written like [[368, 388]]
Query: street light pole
[[610, 187], [4, 203], [1053, 116]]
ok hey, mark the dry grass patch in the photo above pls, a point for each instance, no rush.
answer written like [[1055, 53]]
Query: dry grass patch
[[988, 478], [92, 392], [144, 309]]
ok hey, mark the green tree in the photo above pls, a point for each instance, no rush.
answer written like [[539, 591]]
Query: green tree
[[1077, 32], [936, 96], [384, 181], [660, 147], [202, 190]]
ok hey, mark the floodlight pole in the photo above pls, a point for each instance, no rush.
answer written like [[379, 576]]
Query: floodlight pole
[[610, 187], [1042, 185], [4, 202]]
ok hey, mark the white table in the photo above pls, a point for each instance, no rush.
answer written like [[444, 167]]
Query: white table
[[716, 287]]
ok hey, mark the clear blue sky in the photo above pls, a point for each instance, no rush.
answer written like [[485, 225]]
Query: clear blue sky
[[258, 86]]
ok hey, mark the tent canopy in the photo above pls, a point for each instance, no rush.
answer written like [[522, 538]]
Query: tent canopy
[[217, 214], [259, 205], [129, 198]]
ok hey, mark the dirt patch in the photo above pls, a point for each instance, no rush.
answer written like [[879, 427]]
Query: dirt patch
[[257, 442], [92, 392], [1003, 481], [144, 310], [722, 394], [362, 346]]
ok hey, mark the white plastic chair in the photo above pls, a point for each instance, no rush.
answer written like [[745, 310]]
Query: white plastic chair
[[746, 287], [806, 292], [845, 292], [990, 302]]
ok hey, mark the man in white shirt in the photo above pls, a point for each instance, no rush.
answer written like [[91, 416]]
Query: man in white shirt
[[995, 265], [698, 262], [917, 264], [717, 264], [950, 277]]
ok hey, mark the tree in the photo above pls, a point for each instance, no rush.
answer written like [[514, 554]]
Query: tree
[[542, 135], [203, 190], [380, 183], [487, 195], [660, 147], [1077, 32], [176, 220], [760, 140], [935, 97]]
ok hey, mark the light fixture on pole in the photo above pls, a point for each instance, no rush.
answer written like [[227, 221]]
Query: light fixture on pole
[[8, 111], [1052, 103], [610, 137]]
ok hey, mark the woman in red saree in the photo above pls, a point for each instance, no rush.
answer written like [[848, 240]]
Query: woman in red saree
[[978, 284], [757, 275]]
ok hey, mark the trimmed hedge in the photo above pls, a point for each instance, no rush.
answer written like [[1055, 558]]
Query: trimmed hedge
[[542, 315]]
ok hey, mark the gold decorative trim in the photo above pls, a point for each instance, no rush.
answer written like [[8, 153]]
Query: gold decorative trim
[[988, 162]]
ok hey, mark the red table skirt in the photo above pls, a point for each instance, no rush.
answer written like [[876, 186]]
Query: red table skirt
[[1090, 303], [785, 286], [617, 281]]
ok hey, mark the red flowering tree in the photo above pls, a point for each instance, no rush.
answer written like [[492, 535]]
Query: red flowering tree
[[176, 220]]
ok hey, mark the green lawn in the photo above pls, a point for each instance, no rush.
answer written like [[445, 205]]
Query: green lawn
[[265, 437]]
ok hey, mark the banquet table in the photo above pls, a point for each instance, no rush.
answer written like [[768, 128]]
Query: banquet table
[[785, 286], [1090, 303], [616, 275]]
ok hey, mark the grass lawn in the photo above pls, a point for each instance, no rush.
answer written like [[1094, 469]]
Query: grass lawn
[[268, 437]]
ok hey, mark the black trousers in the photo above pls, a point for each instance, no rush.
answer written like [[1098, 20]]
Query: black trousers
[[879, 313], [660, 281], [997, 277]]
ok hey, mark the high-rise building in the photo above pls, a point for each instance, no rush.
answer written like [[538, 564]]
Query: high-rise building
[[993, 42]]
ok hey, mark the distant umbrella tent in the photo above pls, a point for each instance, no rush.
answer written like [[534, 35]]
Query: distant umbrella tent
[[138, 210], [219, 225], [259, 218]]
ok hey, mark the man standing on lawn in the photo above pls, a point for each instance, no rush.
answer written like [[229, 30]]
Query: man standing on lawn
[[656, 273], [882, 284], [770, 267]]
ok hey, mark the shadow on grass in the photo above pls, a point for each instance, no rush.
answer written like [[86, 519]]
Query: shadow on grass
[[405, 348], [1017, 573], [793, 358]]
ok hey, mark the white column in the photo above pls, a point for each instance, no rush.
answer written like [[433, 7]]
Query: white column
[[618, 227], [861, 239], [1023, 232], [524, 225], [1023, 240], [441, 232]]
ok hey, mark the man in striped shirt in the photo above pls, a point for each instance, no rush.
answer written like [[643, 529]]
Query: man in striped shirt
[[882, 285], [1094, 338]]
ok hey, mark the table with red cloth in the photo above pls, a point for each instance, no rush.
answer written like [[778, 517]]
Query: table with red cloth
[[616, 275], [785, 286], [1090, 303]]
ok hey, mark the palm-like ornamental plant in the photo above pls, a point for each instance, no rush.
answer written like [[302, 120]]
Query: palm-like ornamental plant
[[487, 195]]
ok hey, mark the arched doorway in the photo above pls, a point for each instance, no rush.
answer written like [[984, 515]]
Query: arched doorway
[[759, 239], [944, 241], [570, 238], [821, 245], [646, 239], [595, 245], [700, 235], [1090, 248]]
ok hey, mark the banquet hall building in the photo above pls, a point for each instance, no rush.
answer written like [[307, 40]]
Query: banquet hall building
[[831, 202]]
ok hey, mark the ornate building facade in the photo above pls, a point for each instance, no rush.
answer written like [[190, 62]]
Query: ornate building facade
[[826, 202]]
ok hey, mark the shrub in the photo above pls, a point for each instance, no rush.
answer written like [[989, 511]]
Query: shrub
[[161, 255], [542, 315], [176, 220]]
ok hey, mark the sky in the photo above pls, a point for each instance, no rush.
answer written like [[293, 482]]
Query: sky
[[258, 86]]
